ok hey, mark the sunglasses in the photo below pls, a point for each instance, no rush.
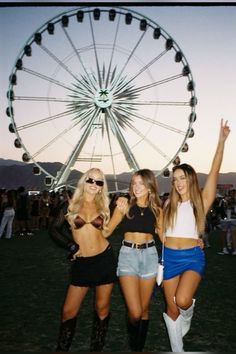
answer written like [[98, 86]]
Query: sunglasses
[[92, 181]]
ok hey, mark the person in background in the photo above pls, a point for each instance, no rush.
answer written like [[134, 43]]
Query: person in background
[[44, 209], [138, 220], [22, 212], [231, 204], [34, 211], [54, 206], [93, 264], [8, 208], [227, 226], [2, 199], [184, 261]]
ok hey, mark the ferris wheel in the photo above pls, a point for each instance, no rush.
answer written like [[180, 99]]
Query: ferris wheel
[[102, 87]]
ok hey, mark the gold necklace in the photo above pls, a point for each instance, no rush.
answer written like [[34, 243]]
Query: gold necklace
[[142, 210]]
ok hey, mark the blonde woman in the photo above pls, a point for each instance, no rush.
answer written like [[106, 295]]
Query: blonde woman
[[139, 220], [184, 260], [93, 263]]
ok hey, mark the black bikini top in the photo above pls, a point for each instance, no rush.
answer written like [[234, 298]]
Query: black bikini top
[[96, 222]]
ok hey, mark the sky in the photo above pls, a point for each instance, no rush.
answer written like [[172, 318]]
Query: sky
[[205, 34]]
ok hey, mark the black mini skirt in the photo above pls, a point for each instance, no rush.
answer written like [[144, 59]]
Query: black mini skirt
[[95, 270]]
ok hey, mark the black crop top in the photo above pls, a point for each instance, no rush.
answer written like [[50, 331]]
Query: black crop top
[[96, 222], [139, 223]]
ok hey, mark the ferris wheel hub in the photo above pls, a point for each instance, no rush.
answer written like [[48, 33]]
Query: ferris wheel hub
[[103, 98]]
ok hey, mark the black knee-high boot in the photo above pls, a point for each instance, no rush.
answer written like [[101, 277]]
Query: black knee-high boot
[[143, 328], [66, 334], [99, 331], [133, 328]]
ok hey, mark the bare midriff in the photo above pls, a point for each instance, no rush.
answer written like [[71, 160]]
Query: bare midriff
[[91, 240], [180, 242], [138, 237]]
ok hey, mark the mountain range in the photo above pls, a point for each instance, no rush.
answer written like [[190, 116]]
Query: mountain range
[[14, 174]]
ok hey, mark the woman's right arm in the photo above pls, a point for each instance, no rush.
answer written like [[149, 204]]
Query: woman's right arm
[[115, 220]]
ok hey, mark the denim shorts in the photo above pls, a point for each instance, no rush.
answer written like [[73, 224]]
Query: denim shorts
[[178, 261], [141, 263]]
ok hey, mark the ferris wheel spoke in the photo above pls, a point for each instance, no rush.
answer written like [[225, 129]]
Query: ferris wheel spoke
[[95, 52], [92, 156], [157, 83], [143, 69], [61, 134], [84, 116], [155, 122], [112, 54], [61, 63], [152, 103], [111, 151], [124, 91], [85, 87], [42, 99], [47, 78], [150, 143], [83, 90], [129, 115], [79, 57], [44, 120], [116, 81], [46, 146], [130, 159]]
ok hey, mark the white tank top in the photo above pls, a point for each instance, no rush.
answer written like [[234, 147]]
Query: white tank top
[[185, 224]]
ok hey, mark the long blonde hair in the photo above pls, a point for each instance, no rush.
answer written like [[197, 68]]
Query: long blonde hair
[[101, 199], [195, 197], [150, 182]]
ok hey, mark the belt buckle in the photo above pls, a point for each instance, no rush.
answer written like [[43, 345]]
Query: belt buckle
[[138, 246]]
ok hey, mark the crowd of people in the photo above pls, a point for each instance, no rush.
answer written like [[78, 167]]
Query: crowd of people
[[23, 212], [82, 223]]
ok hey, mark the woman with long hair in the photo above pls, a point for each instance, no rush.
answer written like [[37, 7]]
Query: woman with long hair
[[139, 220], [92, 260], [184, 222]]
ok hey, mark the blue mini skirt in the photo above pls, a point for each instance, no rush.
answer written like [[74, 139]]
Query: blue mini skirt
[[178, 261]]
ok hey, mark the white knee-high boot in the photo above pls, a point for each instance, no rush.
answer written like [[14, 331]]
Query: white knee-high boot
[[186, 318], [174, 329]]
